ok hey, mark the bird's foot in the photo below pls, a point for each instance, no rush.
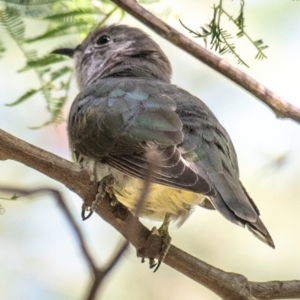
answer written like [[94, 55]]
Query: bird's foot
[[165, 239], [105, 186]]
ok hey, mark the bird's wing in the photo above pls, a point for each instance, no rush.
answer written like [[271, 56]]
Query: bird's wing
[[208, 146], [132, 125]]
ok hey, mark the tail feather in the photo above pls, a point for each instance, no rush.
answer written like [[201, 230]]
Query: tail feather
[[234, 203], [222, 207], [234, 196], [260, 231]]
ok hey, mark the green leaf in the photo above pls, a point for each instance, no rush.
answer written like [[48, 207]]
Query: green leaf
[[42, 62], [55, 108], [240, 34], [2, 49], [30, 8], [24, 97], [60, 72], [14, 197], [260, 55], [65, 17], [219, 38], [30, 54], [13, 24], [61, 30]]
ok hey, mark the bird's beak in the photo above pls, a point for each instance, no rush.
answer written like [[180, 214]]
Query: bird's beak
[[65, 51]]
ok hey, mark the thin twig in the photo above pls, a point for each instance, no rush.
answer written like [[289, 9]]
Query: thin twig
[[99, 273], [61, 202]]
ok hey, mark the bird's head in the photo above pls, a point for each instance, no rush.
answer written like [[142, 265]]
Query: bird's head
[[116, 51]]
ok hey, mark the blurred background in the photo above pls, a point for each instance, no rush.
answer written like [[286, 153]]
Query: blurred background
[[39, 255]]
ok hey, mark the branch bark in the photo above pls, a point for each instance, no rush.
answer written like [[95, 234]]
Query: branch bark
[[227, 285], [281, 108]]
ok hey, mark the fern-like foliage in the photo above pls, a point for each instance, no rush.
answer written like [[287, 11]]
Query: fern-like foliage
[[71, 19], [2, 49], [29, 8], [160, 9], [13, 24], [220, 39]]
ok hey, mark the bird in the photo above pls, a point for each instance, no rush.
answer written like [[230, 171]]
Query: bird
[[131, 121]]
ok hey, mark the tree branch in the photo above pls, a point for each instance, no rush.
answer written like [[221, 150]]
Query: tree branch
[[49, 164], [98, 273], [281, 108], [227, 285]]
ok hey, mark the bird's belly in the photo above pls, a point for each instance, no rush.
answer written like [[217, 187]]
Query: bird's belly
[[160, 200]]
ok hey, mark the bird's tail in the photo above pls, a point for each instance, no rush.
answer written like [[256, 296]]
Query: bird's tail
[[234, 203]]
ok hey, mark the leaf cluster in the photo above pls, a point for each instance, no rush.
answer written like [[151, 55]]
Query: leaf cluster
[[65, 22], [220, 39]]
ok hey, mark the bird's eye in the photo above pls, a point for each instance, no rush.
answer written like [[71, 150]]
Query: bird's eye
[[103, 39]]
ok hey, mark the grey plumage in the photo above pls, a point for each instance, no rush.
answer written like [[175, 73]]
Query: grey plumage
[[127, 112]]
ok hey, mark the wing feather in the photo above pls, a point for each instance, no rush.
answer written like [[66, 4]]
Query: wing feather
[[170, 169]]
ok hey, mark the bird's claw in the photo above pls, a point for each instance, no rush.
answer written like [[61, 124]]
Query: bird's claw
[[163, 233], [84, 209], [104, 186]]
